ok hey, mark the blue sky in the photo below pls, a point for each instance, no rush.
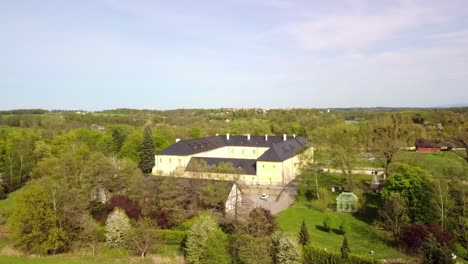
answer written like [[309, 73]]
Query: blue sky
[[103, 54]]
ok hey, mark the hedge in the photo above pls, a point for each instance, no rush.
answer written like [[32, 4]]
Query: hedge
[[171, 237], [313, 255]]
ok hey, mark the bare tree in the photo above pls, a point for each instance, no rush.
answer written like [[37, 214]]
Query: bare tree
[[387, 140]]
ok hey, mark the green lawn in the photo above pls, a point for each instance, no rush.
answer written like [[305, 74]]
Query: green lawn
[[444, 162], [362, 237], [60, 259]]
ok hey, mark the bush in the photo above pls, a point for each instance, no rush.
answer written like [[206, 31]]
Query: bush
[[328, 224], [345, 228], [460, 251], [171, 237], [414, 235]]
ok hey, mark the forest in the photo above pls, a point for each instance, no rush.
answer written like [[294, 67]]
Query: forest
[[76, 185]]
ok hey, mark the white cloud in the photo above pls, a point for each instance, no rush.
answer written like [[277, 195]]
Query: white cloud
[[357, 28]]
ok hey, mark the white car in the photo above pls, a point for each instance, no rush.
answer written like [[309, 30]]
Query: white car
[[264, 196]]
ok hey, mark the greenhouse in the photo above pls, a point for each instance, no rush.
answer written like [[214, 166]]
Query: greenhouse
[[346, 202]]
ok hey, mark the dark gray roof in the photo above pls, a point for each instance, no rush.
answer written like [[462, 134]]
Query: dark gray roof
[[284, 150], [244, 166], [193, 146], [184, 188]]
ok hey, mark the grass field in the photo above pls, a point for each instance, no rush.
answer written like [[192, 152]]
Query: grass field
[[438, 162], [60, 259], [362, 237]]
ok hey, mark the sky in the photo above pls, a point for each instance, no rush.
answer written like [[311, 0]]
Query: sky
[[105, 54]]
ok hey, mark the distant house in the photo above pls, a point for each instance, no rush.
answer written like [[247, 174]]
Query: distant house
[[430, 145], [257, 160]]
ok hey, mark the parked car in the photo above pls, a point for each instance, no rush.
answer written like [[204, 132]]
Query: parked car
[[264, 196]]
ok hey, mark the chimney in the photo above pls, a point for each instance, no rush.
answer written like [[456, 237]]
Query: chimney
[[294, 135], [284, 137], [248, 136], [227, 136], [177, 140], [266, 137]]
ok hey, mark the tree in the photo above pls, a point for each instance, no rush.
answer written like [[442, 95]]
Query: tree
[[435, 253], [388, 138], [413, 237], [308, 179], [345, 250], [341, 150], [304, 235], [394, 215], [415, 191], [131, 208], [117, 228], [147, 151], [88, 234], [261, 223], [34, 224], [288, 251], [345, 228], [457, 135], [142, 237], [254, 250], [19, 157], [206, 242]]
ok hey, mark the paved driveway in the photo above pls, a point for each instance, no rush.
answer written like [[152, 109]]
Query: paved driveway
[[271, 203]]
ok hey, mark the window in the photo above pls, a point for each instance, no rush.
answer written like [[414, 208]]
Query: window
[[254, 151], [274, 166], [263, 166], [180, 161], [160, 160], [170, 160], [243, 151]]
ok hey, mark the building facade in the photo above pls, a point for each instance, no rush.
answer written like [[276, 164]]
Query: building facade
[[256, 160]]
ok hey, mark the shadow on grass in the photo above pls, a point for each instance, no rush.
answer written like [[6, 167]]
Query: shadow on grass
[[323, 229], [337, 231]]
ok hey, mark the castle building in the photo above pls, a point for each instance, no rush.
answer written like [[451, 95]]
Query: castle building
[[256, 160]]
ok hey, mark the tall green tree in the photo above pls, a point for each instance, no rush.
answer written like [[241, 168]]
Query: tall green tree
[[345, 250], [254, 250], [206, 243], [388, 137], [35, 224], [304, 235], [147, 151], [415, 190], [342, 151]]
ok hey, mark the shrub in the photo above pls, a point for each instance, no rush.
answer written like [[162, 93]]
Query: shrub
[[171, 237], [461, 251], [328, 224], [313, 255], [345, 228]]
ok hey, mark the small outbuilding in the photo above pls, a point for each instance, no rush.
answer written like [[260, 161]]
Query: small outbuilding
[[346, 202]]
